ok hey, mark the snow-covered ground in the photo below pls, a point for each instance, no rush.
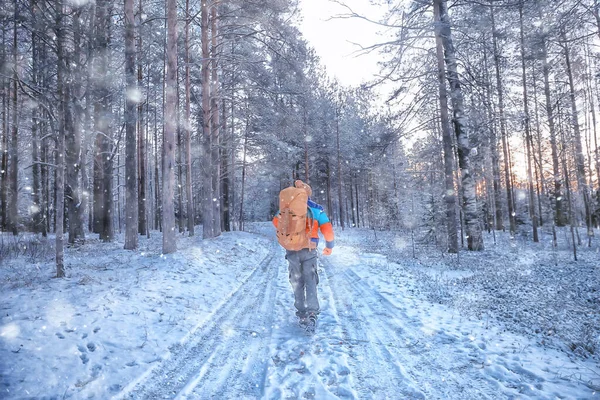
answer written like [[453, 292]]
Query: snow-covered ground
[[216, 320]]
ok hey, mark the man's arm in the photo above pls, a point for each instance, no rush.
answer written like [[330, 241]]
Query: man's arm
[[327, 231]]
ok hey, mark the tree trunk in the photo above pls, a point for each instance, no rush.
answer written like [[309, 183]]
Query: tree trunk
[[328, 187], [142, 142], [503, 133], [233, 149], [473, 228], [44, 151], [157, 195], [244, 172], [527, 129], [339, 164], [4, 143], [208, 210], [450, 195], [73, 111], [353, 208], [38, 223], [103, 190], [539, 170], [568, 193], [60, 162], [168, 192], [579, 157], [216, 127], [159, 208], [559, 216], [131, 182], [180, 214], [13, 149], [225, 175], [187, 127], [357, 202], [87, 137], [305, 131]]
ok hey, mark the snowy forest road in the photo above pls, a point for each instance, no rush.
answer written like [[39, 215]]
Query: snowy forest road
[[373, 341], [226, 356]]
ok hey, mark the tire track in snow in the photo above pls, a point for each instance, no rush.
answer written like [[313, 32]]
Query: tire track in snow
[[227, 356], [391, 354], [377, 375]]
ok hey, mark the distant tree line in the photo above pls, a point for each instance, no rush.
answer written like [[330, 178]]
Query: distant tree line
[[135, 117], [500, 99]]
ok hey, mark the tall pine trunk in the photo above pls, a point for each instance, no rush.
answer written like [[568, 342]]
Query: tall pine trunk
[[187, 127], [215, 124], [244, 151], [339, 163], [4, 139], [225, 176], [38, 225], [450, 195], [103, 188], [503, 132], [469, 202], [538, 161], [579, 157], [180, 214], [528, 140], [496, 184], [208, 210], [13, 148], [60, 162], [168, 162], [73, 93], [559, 215], [131, 182], [142, 140]]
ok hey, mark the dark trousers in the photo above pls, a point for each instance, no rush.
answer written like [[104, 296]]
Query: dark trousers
[[304, 279]]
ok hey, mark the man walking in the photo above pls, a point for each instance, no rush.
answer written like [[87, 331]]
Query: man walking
[[298, 223]]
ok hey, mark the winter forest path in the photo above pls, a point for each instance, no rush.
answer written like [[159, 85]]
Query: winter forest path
[[374, 340]]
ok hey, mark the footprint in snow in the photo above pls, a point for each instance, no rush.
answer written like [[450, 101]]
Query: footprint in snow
[[60, 335]]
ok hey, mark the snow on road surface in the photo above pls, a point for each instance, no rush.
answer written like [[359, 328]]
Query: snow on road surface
[[371, 343], [238, 338]]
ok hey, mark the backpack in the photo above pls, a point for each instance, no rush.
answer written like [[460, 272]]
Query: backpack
[[292, 223]]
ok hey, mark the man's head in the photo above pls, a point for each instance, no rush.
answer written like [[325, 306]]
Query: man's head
[[301, 185]]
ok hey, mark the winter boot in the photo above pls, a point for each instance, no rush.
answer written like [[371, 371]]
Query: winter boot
[[303, 320], [311, 323]]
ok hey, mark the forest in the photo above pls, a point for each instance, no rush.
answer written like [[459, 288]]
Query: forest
[[150, 118], [144, 144]]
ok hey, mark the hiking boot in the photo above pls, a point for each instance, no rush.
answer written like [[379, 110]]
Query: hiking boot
[[311, 322], [303, 320]]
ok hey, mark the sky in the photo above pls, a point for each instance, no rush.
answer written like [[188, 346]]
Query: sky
[[333, 39]]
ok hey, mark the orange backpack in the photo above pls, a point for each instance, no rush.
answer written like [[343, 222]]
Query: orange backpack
[[291, 225]]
